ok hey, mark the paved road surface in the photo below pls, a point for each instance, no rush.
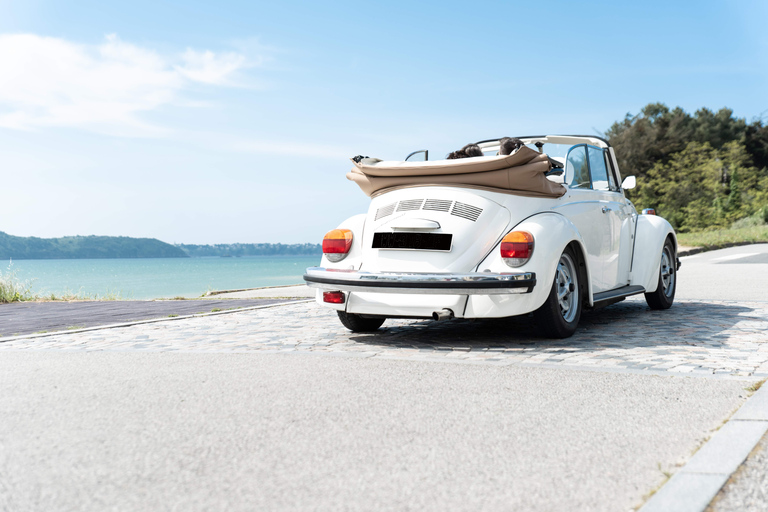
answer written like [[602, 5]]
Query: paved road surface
[[212, 431], [283, 409], [737, 273]]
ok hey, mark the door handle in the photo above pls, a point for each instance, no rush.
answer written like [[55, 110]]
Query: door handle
[[605, 209]]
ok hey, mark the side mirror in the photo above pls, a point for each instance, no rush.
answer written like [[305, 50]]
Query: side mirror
[[629, 183]]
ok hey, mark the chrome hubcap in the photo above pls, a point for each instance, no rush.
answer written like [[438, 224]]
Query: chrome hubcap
[[667, 272], [567, 285]]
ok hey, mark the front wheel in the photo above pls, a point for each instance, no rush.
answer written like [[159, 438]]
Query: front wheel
[[357, 323], [664, 295], [560, 313]]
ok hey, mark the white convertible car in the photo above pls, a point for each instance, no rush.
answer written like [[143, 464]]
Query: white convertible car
[[545, 230]]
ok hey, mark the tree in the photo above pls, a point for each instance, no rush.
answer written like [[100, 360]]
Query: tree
[[704, 187], [654, 135]]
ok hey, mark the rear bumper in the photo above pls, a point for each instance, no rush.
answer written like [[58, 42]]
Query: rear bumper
[[438, 283]]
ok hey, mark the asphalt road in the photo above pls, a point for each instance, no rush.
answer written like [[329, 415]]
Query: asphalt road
[[122, 428], [167, 431], [737, 273], [21, 318]]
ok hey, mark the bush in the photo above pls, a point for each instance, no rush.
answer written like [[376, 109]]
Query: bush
[[748, 222], [763, 214], [11, 289]]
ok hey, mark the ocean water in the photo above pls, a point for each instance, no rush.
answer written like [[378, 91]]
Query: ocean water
[[151, 278]]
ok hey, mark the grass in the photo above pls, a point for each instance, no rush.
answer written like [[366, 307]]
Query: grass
[[68, 295], [754, 387], [13, 290], [720, 238]]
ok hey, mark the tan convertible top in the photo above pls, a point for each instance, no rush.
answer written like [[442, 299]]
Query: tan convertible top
[[521, 173]]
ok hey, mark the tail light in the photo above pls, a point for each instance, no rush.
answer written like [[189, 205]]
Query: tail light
[[336, 244], [517, 248], [333, 297], [649, 211]]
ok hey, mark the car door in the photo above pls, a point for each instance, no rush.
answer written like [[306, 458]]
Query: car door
[[591, 206], [619, 221]]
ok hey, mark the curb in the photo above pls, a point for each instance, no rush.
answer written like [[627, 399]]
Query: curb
[[151, 321], [697, 483], [219, 292]]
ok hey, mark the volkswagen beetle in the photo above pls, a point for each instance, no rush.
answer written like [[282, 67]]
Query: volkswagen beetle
[[545, 230]]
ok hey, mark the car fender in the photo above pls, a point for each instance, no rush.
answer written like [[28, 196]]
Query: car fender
[[552, 233], [356, 224], [650, 234]]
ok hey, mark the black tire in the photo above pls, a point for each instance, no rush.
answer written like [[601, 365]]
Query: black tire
[[664, 295], [357, 323], [560, 313]]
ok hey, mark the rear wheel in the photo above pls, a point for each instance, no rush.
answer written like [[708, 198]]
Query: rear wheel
[[664, 295], [560, 313], [357, 323]]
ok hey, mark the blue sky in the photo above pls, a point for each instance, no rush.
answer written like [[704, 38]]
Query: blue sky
[[220, 122]]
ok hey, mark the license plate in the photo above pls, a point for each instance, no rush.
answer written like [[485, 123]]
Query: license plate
[[418, 241]]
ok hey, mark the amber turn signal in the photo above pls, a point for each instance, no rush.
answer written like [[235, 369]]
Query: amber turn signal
[[517, 248]]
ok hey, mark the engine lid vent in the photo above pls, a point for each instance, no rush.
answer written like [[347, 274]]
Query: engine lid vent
[[410, 204], [466, 211], [438, 205], [385, 210]]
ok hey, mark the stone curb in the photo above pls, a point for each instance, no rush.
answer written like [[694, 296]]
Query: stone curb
[[694, 486], [219, 292], [151, 321]]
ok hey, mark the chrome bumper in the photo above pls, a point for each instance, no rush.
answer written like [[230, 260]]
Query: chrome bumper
[[474, 283]]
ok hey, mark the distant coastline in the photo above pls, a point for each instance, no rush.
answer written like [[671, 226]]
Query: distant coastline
[[237, 250], [94, 247]]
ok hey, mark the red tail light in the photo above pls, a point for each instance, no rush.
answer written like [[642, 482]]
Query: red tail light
[[336, 244], [649, 211], [517, 248], [333, 297]]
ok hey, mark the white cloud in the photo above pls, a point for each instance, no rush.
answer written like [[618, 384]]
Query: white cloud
[[46, 81], [209, 68]]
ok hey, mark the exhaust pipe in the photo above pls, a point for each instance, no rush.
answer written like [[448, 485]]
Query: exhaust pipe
[[443, 314]]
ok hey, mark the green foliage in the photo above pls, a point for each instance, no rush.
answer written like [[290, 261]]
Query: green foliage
[[702, 187], [656, 133], [716, 239], [701, 171], [11, 289], [70, 247]]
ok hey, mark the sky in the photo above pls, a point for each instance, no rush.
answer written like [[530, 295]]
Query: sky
[[225, 122]]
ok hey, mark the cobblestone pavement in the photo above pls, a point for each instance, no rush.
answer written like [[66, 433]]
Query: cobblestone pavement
[[707, 338]]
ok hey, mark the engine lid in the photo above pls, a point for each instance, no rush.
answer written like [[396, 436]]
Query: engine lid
[[412, 221]]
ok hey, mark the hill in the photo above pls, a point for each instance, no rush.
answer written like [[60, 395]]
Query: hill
[[74, 247]]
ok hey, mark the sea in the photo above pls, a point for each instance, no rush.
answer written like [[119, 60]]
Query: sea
[[154, 278]]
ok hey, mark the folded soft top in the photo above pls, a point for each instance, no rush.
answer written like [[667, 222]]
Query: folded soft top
[[521, 173]]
